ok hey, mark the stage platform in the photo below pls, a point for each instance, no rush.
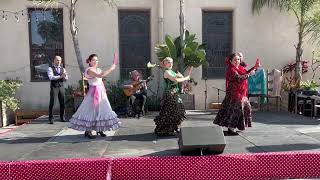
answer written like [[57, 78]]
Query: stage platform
[[276, 133]]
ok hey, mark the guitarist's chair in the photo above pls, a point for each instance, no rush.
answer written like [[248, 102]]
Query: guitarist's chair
[[136, 105]]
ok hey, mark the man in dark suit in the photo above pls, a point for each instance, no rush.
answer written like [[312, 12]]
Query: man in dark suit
[[57, 75]]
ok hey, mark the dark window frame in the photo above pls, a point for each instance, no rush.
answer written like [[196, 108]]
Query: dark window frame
[[32, 73], [218, 76], [133, 10]]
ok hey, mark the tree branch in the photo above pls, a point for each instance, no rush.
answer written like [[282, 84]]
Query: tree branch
[[49, 2], [65, 5], [297, 16], [111, 3]]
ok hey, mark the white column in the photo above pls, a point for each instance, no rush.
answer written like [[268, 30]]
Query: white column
[[160, 21]]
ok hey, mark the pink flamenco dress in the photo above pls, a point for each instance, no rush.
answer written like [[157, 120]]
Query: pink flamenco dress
[[95, 112]]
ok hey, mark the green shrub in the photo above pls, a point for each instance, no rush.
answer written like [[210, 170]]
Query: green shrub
[[8, 89], [115, 95], [153, 103]]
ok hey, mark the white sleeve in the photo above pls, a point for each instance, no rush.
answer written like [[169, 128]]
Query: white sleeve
[[86, 74], [51, 75]]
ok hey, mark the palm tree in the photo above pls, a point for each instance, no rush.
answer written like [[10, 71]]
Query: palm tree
[[307, 14]]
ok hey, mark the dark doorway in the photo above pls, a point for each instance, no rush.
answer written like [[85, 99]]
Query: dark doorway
[[217, 35], [134, 41]]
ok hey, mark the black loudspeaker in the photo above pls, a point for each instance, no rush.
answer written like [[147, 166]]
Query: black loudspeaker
[[209, 140]]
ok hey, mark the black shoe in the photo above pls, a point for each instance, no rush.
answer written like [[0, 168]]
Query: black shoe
[[63, 120], [50, 121], [177, 130], [171, 133], [232, 132], [89, 135], [101, 134]]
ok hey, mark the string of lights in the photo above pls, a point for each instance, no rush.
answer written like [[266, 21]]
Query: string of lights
[[15, 14], [39, 5], [22, 14]]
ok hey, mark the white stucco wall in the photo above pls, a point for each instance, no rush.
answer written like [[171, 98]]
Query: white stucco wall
[[269, 36], [98, 33]]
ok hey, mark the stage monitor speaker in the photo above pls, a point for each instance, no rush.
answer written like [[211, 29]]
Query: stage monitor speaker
[[201, 139]]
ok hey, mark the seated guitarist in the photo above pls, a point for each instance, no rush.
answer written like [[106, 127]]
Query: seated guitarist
[[139, 92]]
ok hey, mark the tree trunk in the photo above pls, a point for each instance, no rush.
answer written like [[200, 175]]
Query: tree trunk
[[73, 29], [182, 34], [298, 68]]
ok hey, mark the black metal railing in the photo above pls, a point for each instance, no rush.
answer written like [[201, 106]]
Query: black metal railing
[[219, 90]]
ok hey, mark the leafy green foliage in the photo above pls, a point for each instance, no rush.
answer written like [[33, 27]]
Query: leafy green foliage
[[153, 103], [115, 95], [171, 47], [8, 90], [162, 51], [194, 52], [307, 13], [69, 98], [309, 85]]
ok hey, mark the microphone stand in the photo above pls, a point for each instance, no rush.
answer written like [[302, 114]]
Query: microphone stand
[[205, 93], [206, 89]]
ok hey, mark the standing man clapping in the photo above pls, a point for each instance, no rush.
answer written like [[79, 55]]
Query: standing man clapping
[[57, 75]]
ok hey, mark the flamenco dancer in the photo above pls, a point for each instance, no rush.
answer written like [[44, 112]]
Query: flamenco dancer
[[95, 112], [172, 111], [236, 108]]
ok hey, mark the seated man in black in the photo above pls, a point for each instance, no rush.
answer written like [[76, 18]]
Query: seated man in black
[[136, 90]]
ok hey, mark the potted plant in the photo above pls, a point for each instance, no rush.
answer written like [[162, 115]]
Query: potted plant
[[309, 88], [153, 103], [78, 93], [289, 83], [117, 99], [8, 101], [69, 98], [194, 55], [77, 98]]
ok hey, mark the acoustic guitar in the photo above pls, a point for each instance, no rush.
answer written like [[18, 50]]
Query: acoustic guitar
[[136, 86]]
